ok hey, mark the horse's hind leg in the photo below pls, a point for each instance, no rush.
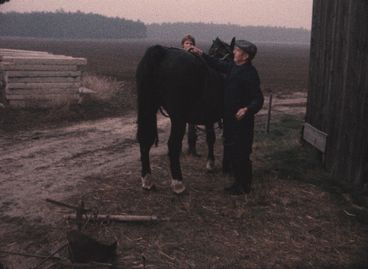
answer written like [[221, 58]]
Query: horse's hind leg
[[147, 180], [147, 135], [211, 139], [175, 145]]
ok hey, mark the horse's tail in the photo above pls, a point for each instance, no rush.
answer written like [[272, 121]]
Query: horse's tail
[[148, 96]]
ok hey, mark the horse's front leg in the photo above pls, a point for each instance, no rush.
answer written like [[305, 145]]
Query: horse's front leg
[[175, 144], [211, 139]]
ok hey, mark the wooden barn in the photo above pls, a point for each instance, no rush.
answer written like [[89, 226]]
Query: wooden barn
[[337, 106], [39, 79]]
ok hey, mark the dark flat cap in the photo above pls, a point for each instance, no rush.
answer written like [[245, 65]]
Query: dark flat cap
[[247, 46]]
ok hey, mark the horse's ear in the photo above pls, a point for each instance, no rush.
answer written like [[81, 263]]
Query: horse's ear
[[232, 44]]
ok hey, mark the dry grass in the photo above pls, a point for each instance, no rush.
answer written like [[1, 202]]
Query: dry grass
[[105, 88], [109, 92]]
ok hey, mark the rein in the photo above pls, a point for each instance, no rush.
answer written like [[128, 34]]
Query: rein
[[225, 57], [163, 112]]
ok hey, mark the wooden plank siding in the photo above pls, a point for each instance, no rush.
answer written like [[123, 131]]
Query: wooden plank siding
[[338, 85], [39, 79]]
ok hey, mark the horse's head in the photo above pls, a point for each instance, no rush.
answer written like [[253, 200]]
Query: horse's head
[[221, 49]]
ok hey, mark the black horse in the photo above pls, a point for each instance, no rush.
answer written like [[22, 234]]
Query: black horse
[[190, 92]]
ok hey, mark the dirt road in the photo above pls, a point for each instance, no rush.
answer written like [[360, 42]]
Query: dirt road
[[35, 165], [50, 163]]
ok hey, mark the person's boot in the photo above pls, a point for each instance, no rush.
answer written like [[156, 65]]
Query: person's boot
[[193, 151], [235, 189], [192, 140], [238, 187]]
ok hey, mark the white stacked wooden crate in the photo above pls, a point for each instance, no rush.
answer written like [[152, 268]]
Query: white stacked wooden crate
[[39, 79]]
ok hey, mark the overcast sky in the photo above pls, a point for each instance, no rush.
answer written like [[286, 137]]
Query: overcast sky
[[289, 13]]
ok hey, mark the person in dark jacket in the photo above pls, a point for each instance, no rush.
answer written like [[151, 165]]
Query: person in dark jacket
[[187, 42], [243, 98]]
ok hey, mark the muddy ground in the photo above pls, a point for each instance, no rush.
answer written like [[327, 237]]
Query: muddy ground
[[284, 223]]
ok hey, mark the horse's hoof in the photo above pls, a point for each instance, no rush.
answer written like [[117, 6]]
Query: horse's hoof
[[177, 186], [147, 182], [210, 165]]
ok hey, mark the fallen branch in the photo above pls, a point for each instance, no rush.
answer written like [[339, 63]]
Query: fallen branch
[[85, 265], [117, 218]]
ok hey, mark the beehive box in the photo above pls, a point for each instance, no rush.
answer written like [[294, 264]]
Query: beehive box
[[39, 79]]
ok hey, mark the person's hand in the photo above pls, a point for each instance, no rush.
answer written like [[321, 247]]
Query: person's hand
[[188, 48], [241, 113], [195, 50]]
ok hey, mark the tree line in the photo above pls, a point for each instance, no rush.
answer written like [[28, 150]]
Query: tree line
[[80, 25], [68, 25], [208, 31]]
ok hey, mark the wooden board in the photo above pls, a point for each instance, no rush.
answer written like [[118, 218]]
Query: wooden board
[[315, 137], [43, 79], [25, 54], [45, 97], [42, 85], [21, 51], [30, 92], [45, 55], [40, 67], [52, 60], [43, 73]]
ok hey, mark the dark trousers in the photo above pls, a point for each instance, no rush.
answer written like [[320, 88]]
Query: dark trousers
[[192, 136], [236, 161]]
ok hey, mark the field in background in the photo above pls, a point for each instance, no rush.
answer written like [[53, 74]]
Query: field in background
[[282, 67]]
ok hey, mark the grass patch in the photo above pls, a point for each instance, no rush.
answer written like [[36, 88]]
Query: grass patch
[[284, 155], [287, 155]]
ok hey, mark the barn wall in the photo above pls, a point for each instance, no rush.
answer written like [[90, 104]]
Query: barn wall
[[338, 84]]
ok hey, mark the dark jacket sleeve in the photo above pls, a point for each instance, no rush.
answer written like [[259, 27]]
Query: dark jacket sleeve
[[256, 93], [219, 65]]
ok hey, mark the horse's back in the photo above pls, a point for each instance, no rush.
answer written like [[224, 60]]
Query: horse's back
[[178, 79], [181, 66]]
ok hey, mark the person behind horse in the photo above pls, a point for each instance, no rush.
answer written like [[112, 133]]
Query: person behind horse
[[187, 42], [243, 98]]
